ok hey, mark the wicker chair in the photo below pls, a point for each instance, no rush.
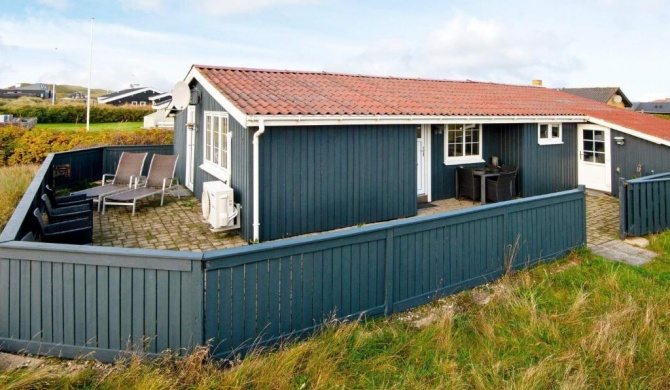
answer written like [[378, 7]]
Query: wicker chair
[[467, 184], [75, 231], [515, 169], [501, 189]]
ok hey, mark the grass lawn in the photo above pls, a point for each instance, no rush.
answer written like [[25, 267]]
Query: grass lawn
[[93, 126]]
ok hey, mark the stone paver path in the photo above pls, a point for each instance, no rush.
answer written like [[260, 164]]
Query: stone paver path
[[602, 218], [177, 225]]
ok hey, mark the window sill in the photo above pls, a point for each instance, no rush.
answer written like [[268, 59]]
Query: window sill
[[464, 160], [550, 142], [215, 171]]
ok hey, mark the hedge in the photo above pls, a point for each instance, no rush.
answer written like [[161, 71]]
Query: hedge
[[76, 113], [20, 146]]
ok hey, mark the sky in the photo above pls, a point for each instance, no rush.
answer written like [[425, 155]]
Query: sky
[[569, 43]]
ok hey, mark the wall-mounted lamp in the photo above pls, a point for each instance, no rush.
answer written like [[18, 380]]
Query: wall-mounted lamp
[[192, 126], [619, 140]]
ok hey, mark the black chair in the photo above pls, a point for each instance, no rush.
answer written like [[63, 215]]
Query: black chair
[[66, 213], [511, 168], [467, 184], [75, 231], [501, 189], [61, 201]]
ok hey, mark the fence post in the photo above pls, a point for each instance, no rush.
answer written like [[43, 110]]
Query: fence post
[[388, 276], [623, 202]]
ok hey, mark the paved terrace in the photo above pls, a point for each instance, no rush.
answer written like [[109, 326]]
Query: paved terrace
[[178, 224]]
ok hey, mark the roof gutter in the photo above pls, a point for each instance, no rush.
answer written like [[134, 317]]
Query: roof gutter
[[256, 179], [321, 120]]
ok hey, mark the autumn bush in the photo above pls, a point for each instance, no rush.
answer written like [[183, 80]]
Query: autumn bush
[[19, 146], [76, 113]]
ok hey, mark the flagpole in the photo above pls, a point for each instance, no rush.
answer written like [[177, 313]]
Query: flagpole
[[53, 91], [90, 67]]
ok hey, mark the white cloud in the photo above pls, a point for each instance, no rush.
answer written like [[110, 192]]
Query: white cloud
[[143, 5], [121, 55], [469, 48], [229, 7], [58, 4]]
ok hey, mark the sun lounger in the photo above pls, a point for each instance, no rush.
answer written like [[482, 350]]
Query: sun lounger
[[159, 179], [129, 168]]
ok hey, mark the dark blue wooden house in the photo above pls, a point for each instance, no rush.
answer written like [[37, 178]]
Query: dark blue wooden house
[[136, 96], [312, 151]]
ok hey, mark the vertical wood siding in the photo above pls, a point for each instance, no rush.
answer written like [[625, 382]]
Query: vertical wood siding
[[317, 178], [654, 158], [499, 140], [543, 169], [100, 301], [548, 168], [241, 157], [261, 293]]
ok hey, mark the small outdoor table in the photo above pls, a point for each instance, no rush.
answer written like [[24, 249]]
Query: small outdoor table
[[483, 174]]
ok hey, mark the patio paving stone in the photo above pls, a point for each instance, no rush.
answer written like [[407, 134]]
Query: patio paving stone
[[178, 225]]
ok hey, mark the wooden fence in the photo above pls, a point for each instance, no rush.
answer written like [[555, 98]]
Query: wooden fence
[[258, 294], [68, 300], [644, 205]]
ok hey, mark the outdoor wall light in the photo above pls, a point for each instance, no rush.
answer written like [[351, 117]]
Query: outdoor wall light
[[619, 140]]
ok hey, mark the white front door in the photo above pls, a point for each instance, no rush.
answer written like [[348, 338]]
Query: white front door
[[420, 161], [190, 147], [594, 153]]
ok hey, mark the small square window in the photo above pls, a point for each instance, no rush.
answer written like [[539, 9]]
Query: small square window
[[549, 134]]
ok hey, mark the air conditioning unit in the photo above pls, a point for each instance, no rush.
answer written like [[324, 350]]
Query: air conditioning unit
[[218, 207]]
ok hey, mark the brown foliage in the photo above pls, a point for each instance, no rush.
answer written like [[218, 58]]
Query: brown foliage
[[18, 146]]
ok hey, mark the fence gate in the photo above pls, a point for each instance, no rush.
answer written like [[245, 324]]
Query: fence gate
[[644, 205]]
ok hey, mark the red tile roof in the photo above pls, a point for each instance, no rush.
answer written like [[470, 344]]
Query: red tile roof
[[281, 92]]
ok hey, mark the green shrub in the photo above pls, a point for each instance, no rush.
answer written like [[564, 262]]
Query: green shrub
[[76, 113]]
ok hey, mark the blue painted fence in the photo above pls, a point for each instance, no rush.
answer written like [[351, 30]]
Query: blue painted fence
[[68, 300], [644, 205], [258, 294]]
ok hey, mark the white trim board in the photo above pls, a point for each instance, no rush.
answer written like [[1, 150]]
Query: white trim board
[[319, 120], [227, 105]]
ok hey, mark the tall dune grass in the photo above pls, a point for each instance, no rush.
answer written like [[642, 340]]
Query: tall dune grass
[[583, 322], [14, 181]]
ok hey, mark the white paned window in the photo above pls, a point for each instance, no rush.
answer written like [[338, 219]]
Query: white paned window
[[462, 144], [549, 133], [216, 145]]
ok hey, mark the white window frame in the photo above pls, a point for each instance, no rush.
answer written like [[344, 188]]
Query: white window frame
[[217, 170], [550, 140], [457, 160]]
